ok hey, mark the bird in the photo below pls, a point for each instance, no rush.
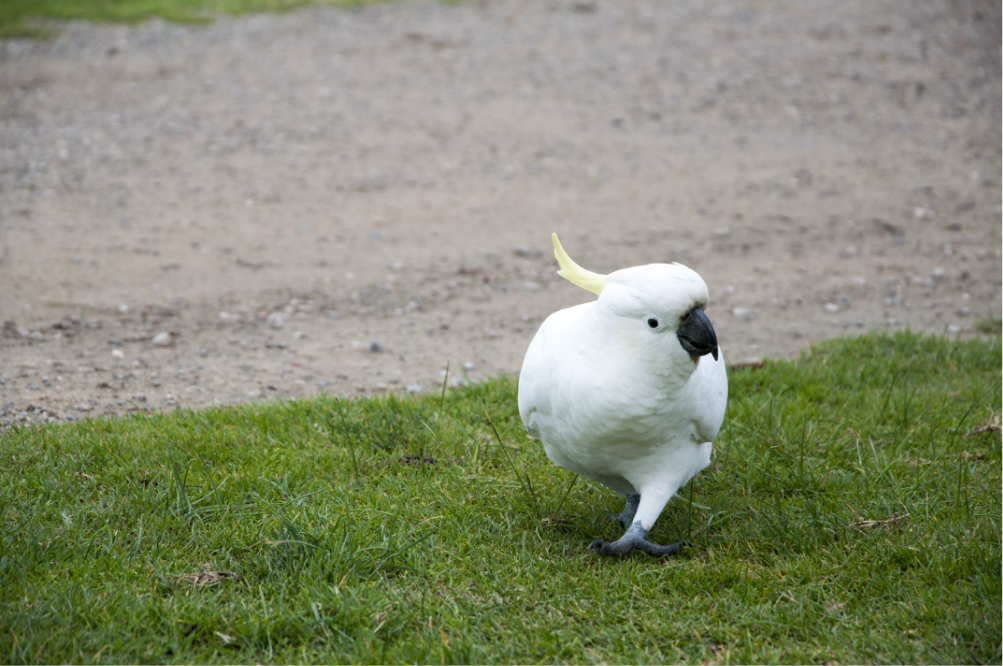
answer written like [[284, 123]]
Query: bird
[[628, 390]]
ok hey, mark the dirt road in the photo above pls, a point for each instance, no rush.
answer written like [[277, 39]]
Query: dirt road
[[346, 201]]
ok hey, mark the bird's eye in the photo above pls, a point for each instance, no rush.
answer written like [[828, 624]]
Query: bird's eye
[[652, 323]]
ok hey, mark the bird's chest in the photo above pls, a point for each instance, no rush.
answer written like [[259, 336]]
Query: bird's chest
[[618, 431]]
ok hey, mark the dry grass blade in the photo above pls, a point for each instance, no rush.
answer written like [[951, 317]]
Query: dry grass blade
[[225, 638], [869, 524], [416, 460], [208, 577], [981, 457], [992, 425], [554, 520]]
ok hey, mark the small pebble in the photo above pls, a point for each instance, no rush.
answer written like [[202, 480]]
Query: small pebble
[[744, 313], [118, 353], [33, 387], [114, 342], [468, 366], [203, 352], [82, 407], [375, 346], [413, 388], [162, 339], [526, 251], [139, 397], [276, 320], [953, 329], [322, 383], [832, 307]]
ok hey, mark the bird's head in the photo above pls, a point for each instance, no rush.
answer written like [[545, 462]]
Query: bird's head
[[657, 304]]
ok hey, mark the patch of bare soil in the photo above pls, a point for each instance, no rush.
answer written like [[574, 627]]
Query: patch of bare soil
[[346, 201]]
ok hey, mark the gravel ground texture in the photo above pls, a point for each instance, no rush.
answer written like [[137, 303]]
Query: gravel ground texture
[[346, 201]]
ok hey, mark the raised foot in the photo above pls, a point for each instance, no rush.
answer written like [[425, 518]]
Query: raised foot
[[619, 519], [626, 517], [635, 539]]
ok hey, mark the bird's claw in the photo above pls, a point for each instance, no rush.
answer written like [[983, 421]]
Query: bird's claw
[[635, 539]]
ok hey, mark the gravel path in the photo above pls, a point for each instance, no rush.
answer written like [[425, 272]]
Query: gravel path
[[346, 201]]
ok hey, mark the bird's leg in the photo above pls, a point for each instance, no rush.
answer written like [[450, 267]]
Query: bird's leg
[[626, 516], [646, 509]]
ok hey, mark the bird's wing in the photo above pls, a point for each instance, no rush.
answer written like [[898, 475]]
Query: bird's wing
[[542, 366], [709, 386]]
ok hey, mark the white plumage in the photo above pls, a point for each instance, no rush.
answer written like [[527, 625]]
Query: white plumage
[[629, 390]]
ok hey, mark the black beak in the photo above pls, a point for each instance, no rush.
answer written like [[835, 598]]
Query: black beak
[[696, 335]]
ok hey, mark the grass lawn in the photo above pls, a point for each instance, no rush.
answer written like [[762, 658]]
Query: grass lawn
[[851, 514], [16, 16]]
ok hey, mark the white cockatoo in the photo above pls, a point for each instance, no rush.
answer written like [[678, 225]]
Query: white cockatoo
[[629, 390]]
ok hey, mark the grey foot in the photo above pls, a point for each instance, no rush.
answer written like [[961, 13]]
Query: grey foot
[[626, 516], [636, 537]]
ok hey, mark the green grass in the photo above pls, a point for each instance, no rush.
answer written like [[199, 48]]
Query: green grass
[[344, 550], [989, 326], [19, 18]]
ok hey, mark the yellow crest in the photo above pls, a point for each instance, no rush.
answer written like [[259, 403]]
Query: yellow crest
[[574, 273]]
